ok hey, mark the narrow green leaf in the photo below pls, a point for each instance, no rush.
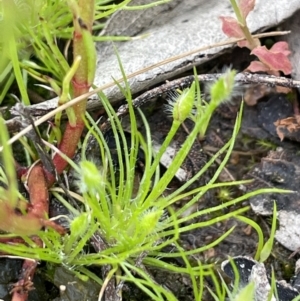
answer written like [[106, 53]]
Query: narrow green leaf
[[267, 249]]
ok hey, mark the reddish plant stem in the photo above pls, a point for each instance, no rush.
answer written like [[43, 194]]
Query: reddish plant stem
[[11, 220], [81, 82], [38, 191], [68, 146], [38, 179], [15, 221]]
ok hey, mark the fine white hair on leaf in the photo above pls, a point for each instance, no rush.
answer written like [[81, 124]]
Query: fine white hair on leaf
[[237, 91], [172, 98]]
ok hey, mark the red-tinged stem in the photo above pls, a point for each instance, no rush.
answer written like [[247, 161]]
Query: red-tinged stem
[[38, 192], [39, 196], [38, 180], [31, 222], [83, 47], [68, 146]]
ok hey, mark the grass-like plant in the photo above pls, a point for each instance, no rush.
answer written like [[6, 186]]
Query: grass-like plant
[[128, 211], [32, 28], [137, 223]]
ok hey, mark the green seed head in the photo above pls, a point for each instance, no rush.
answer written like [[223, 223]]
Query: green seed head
[[222, 89], [90, 177], [184, 103]]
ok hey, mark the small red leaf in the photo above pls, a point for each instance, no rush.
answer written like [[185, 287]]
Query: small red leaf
[[246, 6], [231, 27], [257, 66], [282, 47], [277, 61]]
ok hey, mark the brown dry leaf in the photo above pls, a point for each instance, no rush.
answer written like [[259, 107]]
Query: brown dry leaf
[[256, 92], [285, 126], [210, 253], [283, 90], [247, 230], [297, 116]]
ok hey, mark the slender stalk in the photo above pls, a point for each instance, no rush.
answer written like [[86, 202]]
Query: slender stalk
[[83, 47], [253, 43]]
